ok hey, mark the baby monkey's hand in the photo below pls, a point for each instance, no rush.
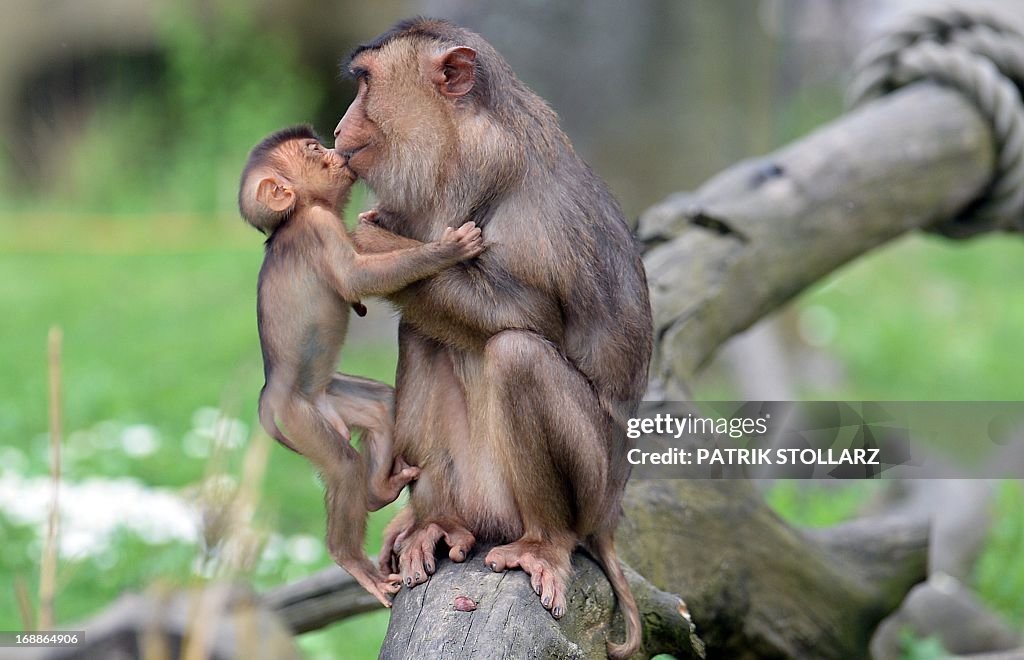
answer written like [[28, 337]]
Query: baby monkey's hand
[[467, 240]]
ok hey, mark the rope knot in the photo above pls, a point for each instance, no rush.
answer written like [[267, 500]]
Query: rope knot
[[979, 55]]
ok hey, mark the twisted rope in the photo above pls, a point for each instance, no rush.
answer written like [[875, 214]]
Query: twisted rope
[[983, 58]]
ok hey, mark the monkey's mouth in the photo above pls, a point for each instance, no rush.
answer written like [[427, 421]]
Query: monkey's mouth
[[346, 158], [349, 153], [342, 165]]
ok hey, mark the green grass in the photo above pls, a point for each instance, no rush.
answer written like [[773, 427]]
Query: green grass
[[928, 319], [188, 304], [999, 573], [817, 505], [915, 648]]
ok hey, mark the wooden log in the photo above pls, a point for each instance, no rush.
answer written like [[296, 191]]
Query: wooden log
[[762, 231], [320, 599], [507, 620]]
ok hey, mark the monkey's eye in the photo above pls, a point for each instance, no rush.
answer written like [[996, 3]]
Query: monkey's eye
[[361, 75]]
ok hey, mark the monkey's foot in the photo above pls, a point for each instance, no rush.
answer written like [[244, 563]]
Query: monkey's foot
[[384, 491], [371, 579], [547, 563], [416, 548]]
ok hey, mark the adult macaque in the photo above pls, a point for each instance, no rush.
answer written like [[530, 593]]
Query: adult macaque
[[293, 188], [516, 370]]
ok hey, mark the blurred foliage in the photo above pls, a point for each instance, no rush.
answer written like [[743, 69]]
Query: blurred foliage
[[915, 648], [181, 144], [21, 559], [925, 319], [153, 331], [814, 504], [999, 573]]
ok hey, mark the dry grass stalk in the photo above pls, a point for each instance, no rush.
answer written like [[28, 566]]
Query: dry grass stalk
[[48, 564]]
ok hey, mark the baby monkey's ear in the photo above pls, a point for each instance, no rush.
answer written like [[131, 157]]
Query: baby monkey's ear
[[275, 194]]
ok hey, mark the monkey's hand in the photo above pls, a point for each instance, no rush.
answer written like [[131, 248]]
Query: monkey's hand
[[386, 492], [467, 241]]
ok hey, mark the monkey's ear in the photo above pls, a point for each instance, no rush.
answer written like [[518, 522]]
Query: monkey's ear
[[454, 71], [275, 194]]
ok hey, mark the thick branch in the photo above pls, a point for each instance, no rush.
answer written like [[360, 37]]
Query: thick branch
[[758, 588], [320, 599], [944, 608], [760, 232], [509, 622]]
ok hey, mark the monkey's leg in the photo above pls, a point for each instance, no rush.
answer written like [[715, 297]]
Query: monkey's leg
[[431, 423], [546, 418], [344, 474], [394, 534], [369, 405], [333, 417], [402, 533]]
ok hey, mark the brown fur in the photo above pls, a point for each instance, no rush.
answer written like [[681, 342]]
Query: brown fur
[[293, 188], [517, 370]]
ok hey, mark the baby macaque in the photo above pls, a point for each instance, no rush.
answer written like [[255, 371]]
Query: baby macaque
[[293, 189]]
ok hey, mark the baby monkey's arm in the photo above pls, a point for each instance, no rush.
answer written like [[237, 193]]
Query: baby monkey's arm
[[379, 273], [370, 238]]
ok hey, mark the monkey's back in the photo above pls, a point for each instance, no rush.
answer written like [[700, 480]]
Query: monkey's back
[[594, 269], [302, 320]]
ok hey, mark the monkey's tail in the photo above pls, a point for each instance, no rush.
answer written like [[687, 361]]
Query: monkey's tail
[[602, 546], [269, 424]]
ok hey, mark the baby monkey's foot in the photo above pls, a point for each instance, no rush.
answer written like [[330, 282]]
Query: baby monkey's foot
[[385, 491], [366, 574], [369, 217]]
